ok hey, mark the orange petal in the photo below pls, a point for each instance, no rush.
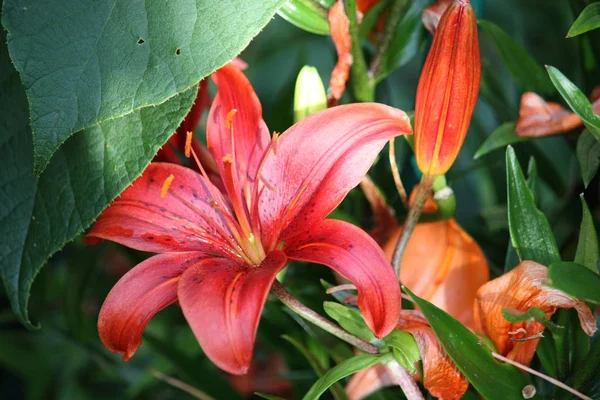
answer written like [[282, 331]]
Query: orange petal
[[440, 376], [444, 265], [432, 14], [521, 289], [339, 25], [384, 221], [539, 118], [368, 381]]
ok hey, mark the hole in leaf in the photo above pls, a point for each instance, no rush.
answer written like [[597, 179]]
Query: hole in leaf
[[178, 51], [141, 41]]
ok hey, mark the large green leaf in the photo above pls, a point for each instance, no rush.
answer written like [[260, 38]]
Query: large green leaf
[[343, 370], [503, 136], [576, 280], [88, 61], [39, 215], [527, 73], [588, 156], [492, 379], [530, 231], [576, 100], [351, 320], [587, 246], [588, 20]]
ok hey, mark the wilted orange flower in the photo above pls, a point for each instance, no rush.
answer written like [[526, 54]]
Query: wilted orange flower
[[538, 118], [339, 24], [431, 15], [521, 289], [447, 90]]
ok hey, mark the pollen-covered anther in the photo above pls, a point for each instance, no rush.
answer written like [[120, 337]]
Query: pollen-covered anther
[[229, 117], [274, 142], [188, 143], [166, 185], [228, 159]]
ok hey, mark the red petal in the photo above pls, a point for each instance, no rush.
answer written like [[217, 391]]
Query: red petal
[[338, 21], [432, 14], [137, 297], [440, 376], [185, 220], [353, 254], [538, 118], [222, 302], [251, 135], [316, 162]]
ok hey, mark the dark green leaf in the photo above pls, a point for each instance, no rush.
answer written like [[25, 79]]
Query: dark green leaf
[[576, 100], [588, 155], [89, 61], [404, 348], [405, 42], [492, 379], [576, 280], [587, 246], [530, 231], [349, 319], [588, 20], [268, 396], [306, 15], [341, 371], [39, 215], [527, 73], [503, 136]]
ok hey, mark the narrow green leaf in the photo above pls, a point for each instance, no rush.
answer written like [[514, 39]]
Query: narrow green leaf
[[588, 20], [588, 155], [87, 61], [576, 100], [40, 215], [341, 371], [576, 280], [320, 369], [530, 231], [349, 319], [503, 136], [492, 379], [404, 348], [306, 15], [587, 246], [527, 73]]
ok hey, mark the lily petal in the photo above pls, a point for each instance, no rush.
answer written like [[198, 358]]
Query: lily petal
[[338, 21], [368, 381], [137, 297], [352, 253], [538, 118], [315, 163], [222, 301], [432, 14], [521, 289], [250, 136], [190, 217], [444, 265], [440, 376]]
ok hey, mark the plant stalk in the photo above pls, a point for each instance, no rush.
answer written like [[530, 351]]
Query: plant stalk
[[414, 213], [289, 300], [405, 381], [364, 88], [395, 13]]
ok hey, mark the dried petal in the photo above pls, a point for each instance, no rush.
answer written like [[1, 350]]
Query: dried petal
[[338, 21], [538, 118]]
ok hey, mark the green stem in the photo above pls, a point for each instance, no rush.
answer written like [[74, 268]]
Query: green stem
[[286, 298], [391, 23], [412, 218], [585, 376], [364, 88]]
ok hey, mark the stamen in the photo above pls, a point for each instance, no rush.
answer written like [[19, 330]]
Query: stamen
[[396, 174], [188, 143], [166, 185], [267, 184], [229, 117], [274, 142]]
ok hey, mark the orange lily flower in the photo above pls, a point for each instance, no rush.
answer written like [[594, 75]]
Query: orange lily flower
[[538, 118], [521, 289], [432, 14], [447, 90]]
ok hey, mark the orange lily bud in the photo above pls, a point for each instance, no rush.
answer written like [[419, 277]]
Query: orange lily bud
[[520, 289], [447, 90]]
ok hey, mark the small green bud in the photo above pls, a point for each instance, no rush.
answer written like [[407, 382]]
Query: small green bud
[[310, 94]]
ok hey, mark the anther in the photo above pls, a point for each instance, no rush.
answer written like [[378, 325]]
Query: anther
[[228, 159], [166, 185], [229, 118], [188, 144], [274, 141]]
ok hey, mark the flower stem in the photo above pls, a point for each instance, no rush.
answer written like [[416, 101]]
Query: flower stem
[[364, 87], [405, 381], [286, 298], [412, 218], [395, 12]]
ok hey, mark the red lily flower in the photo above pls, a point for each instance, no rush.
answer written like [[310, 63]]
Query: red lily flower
[[221, 252]]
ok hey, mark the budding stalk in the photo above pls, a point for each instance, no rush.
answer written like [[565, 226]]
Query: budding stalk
[[447, 90]]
